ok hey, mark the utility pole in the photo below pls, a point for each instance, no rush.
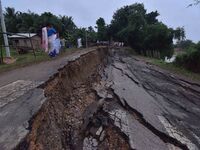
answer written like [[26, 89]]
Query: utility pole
[[4, 32]]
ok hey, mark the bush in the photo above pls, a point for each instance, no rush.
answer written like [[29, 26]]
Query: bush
[[189, 60]]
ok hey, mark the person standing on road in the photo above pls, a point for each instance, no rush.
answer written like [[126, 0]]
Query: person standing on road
[[52, 35]]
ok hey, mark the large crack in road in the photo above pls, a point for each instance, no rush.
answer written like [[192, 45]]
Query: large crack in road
[[107, 99]]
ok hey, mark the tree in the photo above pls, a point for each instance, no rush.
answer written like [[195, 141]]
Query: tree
[[159, 38], [125, 17], [26, 22], [101, 29], [195, 2], [185, 44], [142, 31], [179, 33], [68, 27], [91, 35], [10, 19], [198, 46], [32, 22], [151, 17]]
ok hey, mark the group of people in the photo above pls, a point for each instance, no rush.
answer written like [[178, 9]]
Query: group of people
[[52, 44], [50, 41]]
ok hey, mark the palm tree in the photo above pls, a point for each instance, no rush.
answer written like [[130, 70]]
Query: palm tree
[[68, 26], [11, 19]]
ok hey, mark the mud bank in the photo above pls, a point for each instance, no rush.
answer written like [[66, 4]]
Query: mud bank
[[71, 117]]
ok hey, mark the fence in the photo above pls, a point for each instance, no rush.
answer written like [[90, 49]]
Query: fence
[[19, 35]]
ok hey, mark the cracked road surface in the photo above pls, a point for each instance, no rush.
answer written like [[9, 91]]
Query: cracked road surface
[[20, 98], [104, 99], [163, 110]]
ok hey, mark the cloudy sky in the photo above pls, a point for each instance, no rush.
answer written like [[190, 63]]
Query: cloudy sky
[[174, 13]]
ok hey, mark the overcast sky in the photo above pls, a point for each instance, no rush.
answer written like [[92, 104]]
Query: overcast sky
[[85, 12]]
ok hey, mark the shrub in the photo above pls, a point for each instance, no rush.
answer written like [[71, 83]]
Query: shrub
[[189, 60]]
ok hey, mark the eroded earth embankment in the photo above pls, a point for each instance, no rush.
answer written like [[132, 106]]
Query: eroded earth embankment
[[109, 100], [71, 114]]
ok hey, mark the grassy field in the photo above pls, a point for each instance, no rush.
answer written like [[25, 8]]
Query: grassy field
[[28, 59], [167, 66], [178, 70], [173, 68]]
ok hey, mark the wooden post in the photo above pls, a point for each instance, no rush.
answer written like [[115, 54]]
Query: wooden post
[[32, 45]]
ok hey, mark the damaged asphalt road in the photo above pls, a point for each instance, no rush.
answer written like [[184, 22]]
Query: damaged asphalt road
[[164, 109], [107, 99]]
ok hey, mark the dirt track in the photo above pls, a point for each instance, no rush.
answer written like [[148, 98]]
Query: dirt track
[[109, 100]]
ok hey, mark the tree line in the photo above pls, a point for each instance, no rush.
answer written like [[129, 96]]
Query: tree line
[[140, 30], [30, 22], [130, 24], [149, 36]]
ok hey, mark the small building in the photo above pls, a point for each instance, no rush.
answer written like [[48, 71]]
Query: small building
[[23, 41]]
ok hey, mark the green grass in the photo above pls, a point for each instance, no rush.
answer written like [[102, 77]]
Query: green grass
[[175, 69], [28, 59], [167, 66], [23, 60]]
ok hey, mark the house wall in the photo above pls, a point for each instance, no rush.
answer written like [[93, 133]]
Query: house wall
[[36, 40], [22, 42]]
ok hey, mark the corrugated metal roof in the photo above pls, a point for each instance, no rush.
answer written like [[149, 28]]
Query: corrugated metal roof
[[22, 35]]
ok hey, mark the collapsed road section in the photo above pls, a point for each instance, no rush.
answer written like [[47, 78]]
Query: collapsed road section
[[71, 117], [107, 99]]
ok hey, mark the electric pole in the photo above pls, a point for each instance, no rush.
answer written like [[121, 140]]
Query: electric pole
[[3, 26]]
